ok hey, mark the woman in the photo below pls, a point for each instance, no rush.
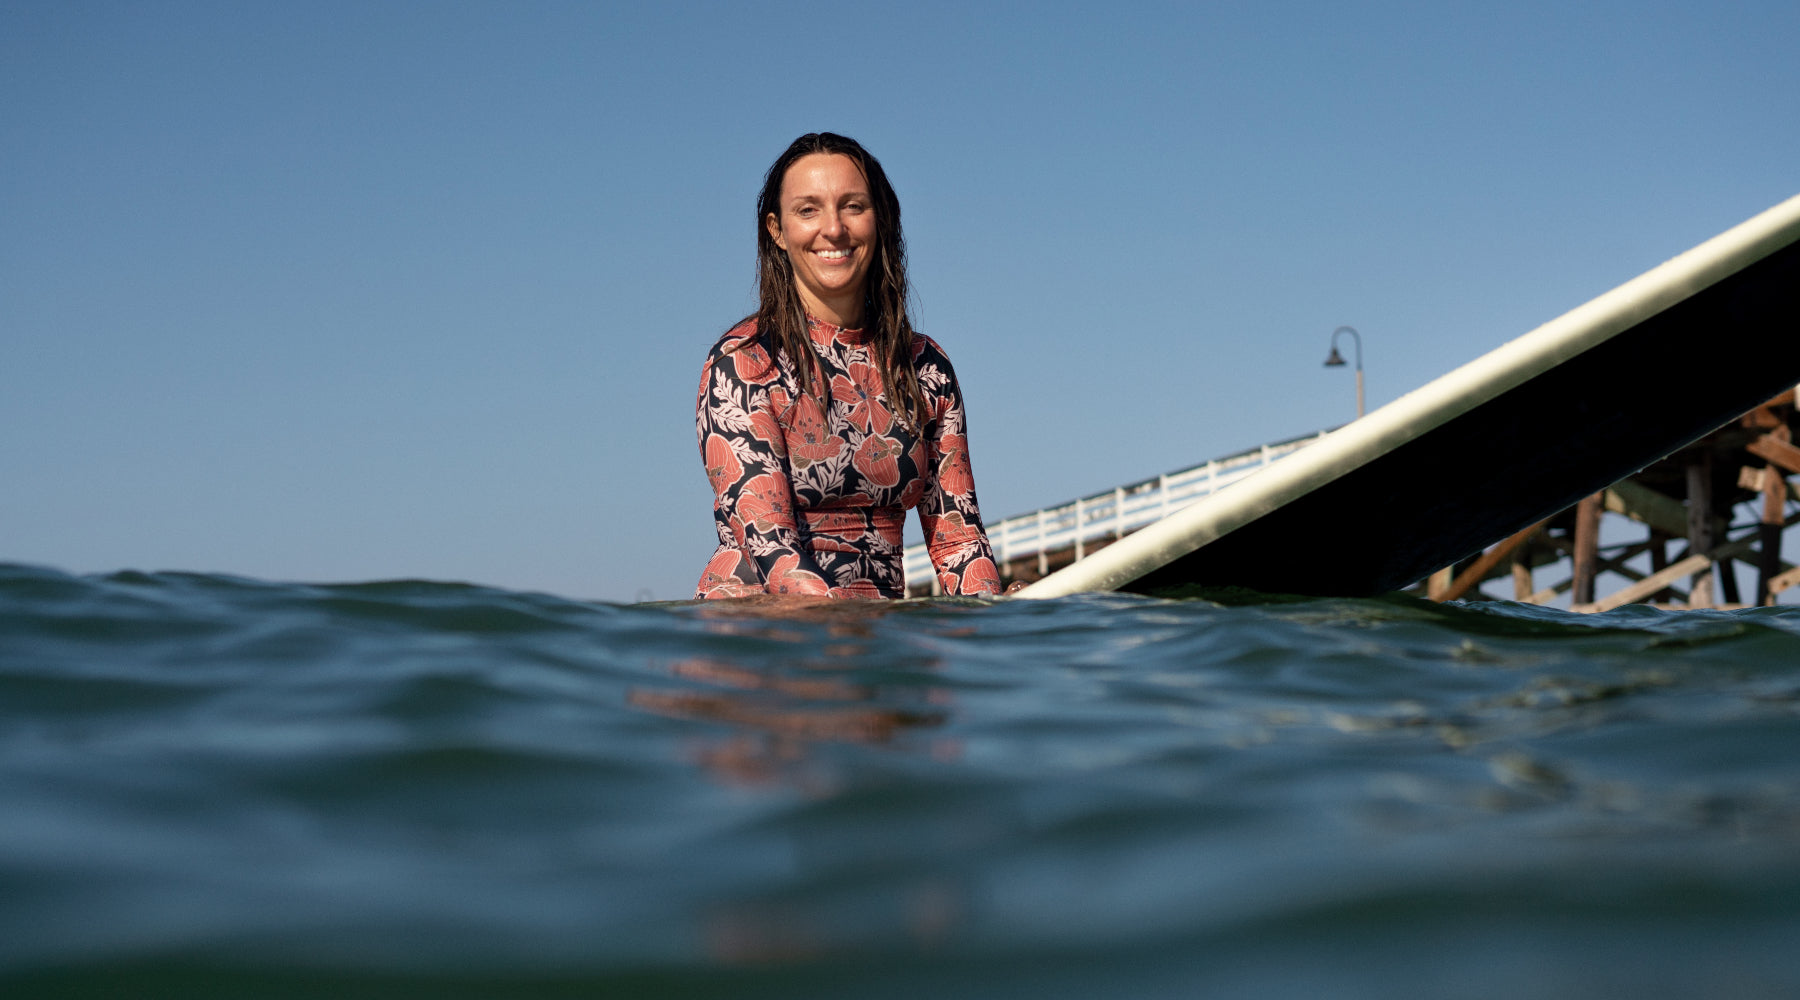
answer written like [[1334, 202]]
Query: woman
[[823, 417]]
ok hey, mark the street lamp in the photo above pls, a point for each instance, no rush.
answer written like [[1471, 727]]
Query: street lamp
[[1336, 360]]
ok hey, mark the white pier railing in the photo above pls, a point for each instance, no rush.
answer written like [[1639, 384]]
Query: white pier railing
[[1111, 514]]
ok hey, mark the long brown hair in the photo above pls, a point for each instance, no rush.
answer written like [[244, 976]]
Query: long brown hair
[[780, 316]]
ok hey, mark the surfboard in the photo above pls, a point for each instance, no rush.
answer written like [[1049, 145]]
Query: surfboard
[[1498, 444]]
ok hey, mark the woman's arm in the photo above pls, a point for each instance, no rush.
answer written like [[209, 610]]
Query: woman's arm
[[744, 452], [954, 536]]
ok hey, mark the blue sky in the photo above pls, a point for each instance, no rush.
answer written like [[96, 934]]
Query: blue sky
[[371, 290]]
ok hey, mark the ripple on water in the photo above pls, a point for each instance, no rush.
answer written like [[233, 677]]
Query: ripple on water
[[223, 785]]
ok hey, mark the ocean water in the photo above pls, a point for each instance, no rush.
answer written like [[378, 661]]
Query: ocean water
[[215, 786]]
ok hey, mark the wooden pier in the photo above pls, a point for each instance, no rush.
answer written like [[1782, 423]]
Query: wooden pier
[[1033, 545], [1690, 521], [1687, 522]]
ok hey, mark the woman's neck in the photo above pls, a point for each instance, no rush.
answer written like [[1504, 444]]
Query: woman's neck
[[845, 314]]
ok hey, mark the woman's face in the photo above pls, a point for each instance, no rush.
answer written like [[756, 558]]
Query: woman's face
[[827, 226]]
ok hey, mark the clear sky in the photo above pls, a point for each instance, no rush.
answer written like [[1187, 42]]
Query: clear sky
[[347, 291]]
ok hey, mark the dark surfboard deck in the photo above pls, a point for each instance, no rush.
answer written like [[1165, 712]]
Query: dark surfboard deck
[[1499, 444]]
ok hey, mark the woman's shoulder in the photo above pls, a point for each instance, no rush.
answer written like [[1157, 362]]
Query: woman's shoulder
[[749, 359], [741, 339], [927, 351], [741, 336]]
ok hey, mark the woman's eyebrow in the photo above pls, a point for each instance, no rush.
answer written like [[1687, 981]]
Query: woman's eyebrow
[[803, 199]]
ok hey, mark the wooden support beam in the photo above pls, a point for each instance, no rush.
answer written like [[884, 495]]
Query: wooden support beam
[[1439, 583], [1786, 398], [1617, 563], [1776, 449], [1763, 418], [1467, 580], [1549, 593], [1692, 565], [1613, 565], [1780, 583], [1750, 478], [1725, 575], [1646, 506], [1587, 548], [1659, 560], [1768, 557], [1699, 528]]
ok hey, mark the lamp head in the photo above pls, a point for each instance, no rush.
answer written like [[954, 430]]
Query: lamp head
[[1336, 360]]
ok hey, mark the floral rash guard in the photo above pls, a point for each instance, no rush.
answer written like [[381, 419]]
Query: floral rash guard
[[813, 502]]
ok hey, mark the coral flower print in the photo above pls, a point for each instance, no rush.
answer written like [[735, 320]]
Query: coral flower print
[[877, 458], [810, 498], [720, 575], [810, 435], [977, 575], [912, 493], [722, 565], [786, 577], [752, 365], [765, 505], [766, 429], [866, 412], [953, 467], [847, 533], [722, 467]]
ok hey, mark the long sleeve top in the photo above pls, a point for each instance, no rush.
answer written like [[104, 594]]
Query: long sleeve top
[[812, 499]]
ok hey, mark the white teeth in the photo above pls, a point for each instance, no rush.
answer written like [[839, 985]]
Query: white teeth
[[833, 254]]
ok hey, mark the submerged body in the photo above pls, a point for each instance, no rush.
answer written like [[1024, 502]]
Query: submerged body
[[811, 499]]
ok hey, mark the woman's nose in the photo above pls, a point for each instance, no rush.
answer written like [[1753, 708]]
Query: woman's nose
[[832, 224]]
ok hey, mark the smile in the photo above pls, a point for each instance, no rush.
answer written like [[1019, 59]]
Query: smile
[[833, 254]]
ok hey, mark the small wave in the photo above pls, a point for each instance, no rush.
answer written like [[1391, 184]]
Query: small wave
[[405, 786]]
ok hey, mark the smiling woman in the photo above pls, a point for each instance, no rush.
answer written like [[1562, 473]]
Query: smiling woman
[[825, 223], [824, 416]]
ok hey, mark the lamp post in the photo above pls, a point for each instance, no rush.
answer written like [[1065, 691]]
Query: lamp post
[[1336, 360]]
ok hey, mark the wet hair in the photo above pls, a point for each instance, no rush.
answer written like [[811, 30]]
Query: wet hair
[[780, 316]]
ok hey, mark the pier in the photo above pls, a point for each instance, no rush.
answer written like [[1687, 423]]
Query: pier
[[1031, 546], [1673, 534]]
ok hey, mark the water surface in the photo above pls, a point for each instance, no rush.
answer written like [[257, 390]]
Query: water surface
[[213, 786]]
